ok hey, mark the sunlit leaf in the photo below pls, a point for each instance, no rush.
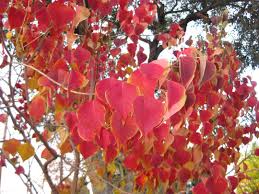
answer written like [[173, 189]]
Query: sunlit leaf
[[91, 117], [11, 146], [26, 151], [176, 98], [148, 113], [37, 108]]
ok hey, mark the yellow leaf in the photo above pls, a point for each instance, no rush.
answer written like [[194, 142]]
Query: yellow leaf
[[9, 35], [189, 165], [111, 168], [33, 83], [26, 151], [116, 191]]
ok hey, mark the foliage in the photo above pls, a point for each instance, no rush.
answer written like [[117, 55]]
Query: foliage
[[84, 93], [250, 166]]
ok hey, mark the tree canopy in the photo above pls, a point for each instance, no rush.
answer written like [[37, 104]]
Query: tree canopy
[[81, 97]]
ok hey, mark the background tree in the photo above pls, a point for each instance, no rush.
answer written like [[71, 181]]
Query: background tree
[[78, 98], [243, 17], [250, 166]]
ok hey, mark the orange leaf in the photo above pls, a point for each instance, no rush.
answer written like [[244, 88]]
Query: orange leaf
[[209, 72], [146, 85], [37, 108], [82, 13], [202, 66], [65, 147], [46, 154], [197, 154], [11, 146]]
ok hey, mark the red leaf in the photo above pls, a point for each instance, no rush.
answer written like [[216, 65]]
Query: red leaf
[[179, 142], [114, 52], [2, 160], [199, 189], [257, 151], [19, 170], [121, 97], [161, 146], [217, 170], [213, 98], [141, 57], [91, 117], [131, 162], [187, 70], [60, 14], [208, 127], [181, 156], [123, 129], [233, 181], [164, 174], [132, 48], [196, 138], [37, 108], [103, 86], [174, 28], [148, 113], [81, 55], [141, 180], [162, 131], [216, 185], [139, 28], [3, 118], [87, 149], [15, 17], [176, 98], [110, 153], [145, 84], [3, 5], [76, 80], [152, 70], [106, 138], [184, 175], [205, 115], [43, 18]]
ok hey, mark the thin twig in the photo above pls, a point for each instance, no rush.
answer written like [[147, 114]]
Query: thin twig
[[55, 82]]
